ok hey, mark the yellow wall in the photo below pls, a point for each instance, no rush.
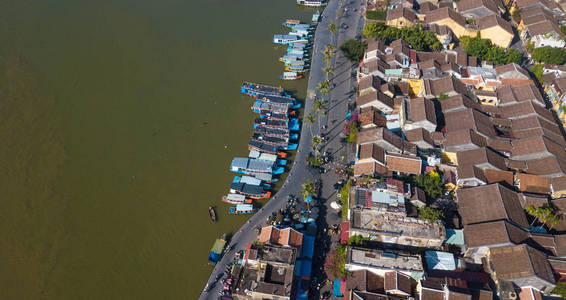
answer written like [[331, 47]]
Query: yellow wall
[[399, 23], [415, 87], [498, 36], [449, 157], [456, 28]]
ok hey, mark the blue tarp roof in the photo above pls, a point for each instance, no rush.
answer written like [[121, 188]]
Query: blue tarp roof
[[308, 246], [297, 271]]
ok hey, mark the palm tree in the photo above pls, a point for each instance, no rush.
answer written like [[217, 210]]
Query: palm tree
[[332, 27], [310, 119], [328, 71], [544, 215], [319, 108], [324, 87], [308, 189], [316, 141]]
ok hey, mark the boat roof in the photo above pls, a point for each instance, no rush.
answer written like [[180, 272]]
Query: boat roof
[[253, 164], [289, 73], [250, 180], [218, 246], [244, 207], [236, 197], [247, 189], [260, 105], [264, 176], [285, 37]]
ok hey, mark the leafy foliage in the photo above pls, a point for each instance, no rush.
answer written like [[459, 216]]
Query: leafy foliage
[[537, 70], [544, 215], [549, 55], [351, 130], [353, 49], [430, 215], [358, 240], [442, 96], [416, 36], [563, 29], [308, 189], [376, 15], [335, 265], [560, 289], [430, 183], [344, 194], [485, 50], [315, 161]]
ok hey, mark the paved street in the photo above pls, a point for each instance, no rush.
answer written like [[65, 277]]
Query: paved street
[[299, 172]]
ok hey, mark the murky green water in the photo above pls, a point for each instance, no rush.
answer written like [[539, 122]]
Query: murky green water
[[118, 121]]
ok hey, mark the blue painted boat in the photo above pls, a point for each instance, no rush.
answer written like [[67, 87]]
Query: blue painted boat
[[290, 147], [281, 162], [294, 124], [294, 136], [246, 165], [278, 171], [253, 89]]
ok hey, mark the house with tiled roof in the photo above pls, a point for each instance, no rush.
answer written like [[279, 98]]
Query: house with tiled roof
[[419, 113], [281, 237], [449, 86], [420, 137], [371, 117], [476, 9], [499, 31], [449, 17], [401, 17], [529, 267], [370, 161], [387, 140], [397, 283], [403, 164], [539, 26]]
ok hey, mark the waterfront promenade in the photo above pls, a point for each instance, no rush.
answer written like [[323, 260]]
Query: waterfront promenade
[[337, 107]]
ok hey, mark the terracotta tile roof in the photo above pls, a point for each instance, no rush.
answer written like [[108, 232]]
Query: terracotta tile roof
[[533, 183], [422, 109], [526, 262], [501, 145], [403, 163], [495, 176], [528, 293], [397, 282], [515, 82], [427, 7], [444, 85], [375, 45], [534, 200], [374, 96], [512, 70], [496, 233], [469, 119], [368, 82], [282, 237], [372, 151], [523, 109], [372, 116], [536, 147], [466, 5], [558, 183], [491, 202], [495, 21], [444, 13], [543, 28], [417, 135], [463, 140], [402, 12], [548, 166], [509, 94], [457, 102], [370, 168], [427, 294]]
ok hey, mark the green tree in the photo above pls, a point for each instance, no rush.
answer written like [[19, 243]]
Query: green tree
[[332, 27], [549, 55], [328, 71], [358, 240], [442, 96], [485, 50], [310, 120], [560, 289], [431, 183], [353, 50], [416, 36], [544, 214], [430, 215], [319, 108], [344, 198], [563, 29], [377, 14], [537, 70], [308, 189], [316, 141], [324, 88]]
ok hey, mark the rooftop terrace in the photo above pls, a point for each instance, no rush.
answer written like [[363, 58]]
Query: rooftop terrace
[[395, 225], [388, 260]]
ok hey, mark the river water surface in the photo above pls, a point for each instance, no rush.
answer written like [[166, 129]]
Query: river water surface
[[118, 122]]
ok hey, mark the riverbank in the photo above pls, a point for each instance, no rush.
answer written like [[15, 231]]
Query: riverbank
[[299, 172]]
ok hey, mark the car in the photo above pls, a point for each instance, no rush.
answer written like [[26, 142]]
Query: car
[[344, 26]]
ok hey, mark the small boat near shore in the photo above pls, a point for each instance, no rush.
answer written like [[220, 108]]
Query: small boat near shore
[[251, 191], [217, 250], [241, 209], [236, 199], [316, 17], [312, 3], [252, 89], [261, 107], [212, 213]]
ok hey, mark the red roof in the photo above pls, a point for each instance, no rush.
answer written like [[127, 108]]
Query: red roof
[[345, 234]]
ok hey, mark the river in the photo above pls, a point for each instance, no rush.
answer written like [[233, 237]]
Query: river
[[118, 122]]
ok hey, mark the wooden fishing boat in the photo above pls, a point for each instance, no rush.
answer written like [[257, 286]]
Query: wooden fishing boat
[[212, 213]]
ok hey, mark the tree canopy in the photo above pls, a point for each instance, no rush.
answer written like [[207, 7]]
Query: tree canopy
[[430, 215], [431, 183], [485, 50], [335, 265], [416, 36], [353, 49], [549, 55], [537, 70]]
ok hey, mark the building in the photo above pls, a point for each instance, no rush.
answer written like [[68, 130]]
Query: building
[[539, 26], [380, 214], [401, 17], [381, 262], [499, 31], [419, 113], [476, 9], [529, 267]]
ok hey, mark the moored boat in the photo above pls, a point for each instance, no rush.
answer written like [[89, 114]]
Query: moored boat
[[217, 250], [253, 89], [246, 165], [251, 191], [241, 209], [290, 76], [236, 199], [212, 213], [316, 17], [313, 3]]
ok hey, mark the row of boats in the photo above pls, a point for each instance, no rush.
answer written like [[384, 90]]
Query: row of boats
[[297, 57], [275, 131]]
